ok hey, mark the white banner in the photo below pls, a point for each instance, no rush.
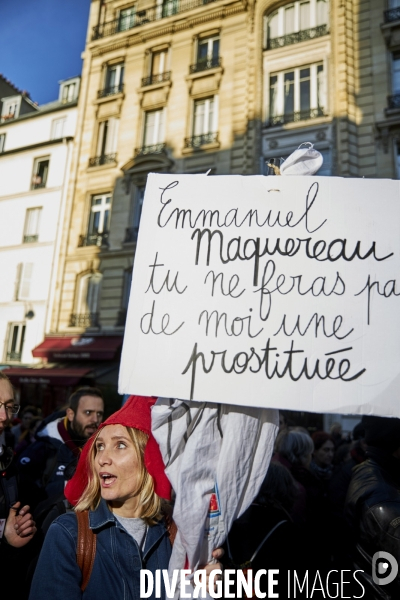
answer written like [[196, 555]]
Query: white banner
[[278, 292]]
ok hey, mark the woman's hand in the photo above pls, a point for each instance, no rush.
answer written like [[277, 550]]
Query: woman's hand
[[212, 566], [20, 527]]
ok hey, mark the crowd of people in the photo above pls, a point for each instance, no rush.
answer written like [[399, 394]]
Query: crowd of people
[[329, 502]]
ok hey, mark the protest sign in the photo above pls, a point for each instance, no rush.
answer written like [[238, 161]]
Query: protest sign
[[278, 292]]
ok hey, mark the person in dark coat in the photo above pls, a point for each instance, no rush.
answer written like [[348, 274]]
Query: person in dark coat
[[59, 441], [373, 507]]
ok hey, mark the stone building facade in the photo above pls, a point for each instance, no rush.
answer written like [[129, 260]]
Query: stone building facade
[[185, 86]]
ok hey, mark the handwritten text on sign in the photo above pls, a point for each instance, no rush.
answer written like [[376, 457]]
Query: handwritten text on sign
[[267, 291]]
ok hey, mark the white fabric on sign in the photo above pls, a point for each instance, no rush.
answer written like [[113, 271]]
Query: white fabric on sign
[[211, 448], [303, 161]]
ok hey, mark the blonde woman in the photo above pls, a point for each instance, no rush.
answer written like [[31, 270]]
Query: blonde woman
[[120, 481]]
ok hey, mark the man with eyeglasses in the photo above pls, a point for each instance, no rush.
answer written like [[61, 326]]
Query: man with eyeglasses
[[16, 524]]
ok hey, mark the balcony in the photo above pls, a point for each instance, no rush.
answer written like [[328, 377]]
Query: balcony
[[84, 320], [169, 8], [153, 149], [110, 91], [302, 115], [14, 356], [159, 78], [93, 239], [104, 159], [298, 36], [30, 239], [206, 63], [393, 14], [201, 140], [131, 234]]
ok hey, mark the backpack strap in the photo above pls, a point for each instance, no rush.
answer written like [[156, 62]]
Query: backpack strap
[[85, 547], [170, 523]]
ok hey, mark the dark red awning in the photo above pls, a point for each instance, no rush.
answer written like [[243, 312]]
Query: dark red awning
[[78, 348], [54, 376]]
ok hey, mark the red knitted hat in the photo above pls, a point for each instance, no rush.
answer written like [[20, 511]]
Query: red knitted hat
[[135, 413]]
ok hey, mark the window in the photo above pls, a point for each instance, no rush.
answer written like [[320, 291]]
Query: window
[[127, 18], [2, 141], [57, 128], [205, 117], [297, 94], [170, 7], [107, 138], [114, 79], [126, 289], [16, 338], [10, 109], [308, 16], [40, 173], [24, 281], [396, 73], [99, 220], [159, 62], [153, 128], [208, 52], [32, 221], [87, 300], [69, 92]]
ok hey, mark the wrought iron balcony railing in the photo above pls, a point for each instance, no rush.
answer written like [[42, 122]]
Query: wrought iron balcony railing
[[393, 14], [293, 117], [169, 8], [15, 356], [298, 36], [29, 239], [110, 91], [131, 234], [104, 159], [158, 78], [201, 140], [84, 320], [206, 63], [152, 149], [394, 101], [93, 239]]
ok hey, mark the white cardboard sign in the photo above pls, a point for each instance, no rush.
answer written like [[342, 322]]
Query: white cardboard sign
[[278, 292]]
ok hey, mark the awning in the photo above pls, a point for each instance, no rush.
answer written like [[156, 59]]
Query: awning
[[56, 376], [72, 348]]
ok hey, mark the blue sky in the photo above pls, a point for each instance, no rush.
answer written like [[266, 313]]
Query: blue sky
[[41, 43]]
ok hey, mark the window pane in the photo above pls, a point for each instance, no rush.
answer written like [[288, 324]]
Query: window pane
[[289, 93], [273, 26], [321, 88], [209, 125], [199, 112], [396, 74], [215, 48], [289, 20], [156, 65], [202, 50], [126, 18], [273, 96], [2, 141], [149, 128], [322, 12], [304, 16]]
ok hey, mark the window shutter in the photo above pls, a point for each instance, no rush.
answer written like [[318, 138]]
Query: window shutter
[[25, 281]]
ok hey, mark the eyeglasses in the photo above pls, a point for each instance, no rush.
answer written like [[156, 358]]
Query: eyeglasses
[[11, 409]]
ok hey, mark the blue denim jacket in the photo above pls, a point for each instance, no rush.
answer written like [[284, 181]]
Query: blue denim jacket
[[116, 569]]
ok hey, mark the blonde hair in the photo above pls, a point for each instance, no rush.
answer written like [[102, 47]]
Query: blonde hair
[[149, 502]]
